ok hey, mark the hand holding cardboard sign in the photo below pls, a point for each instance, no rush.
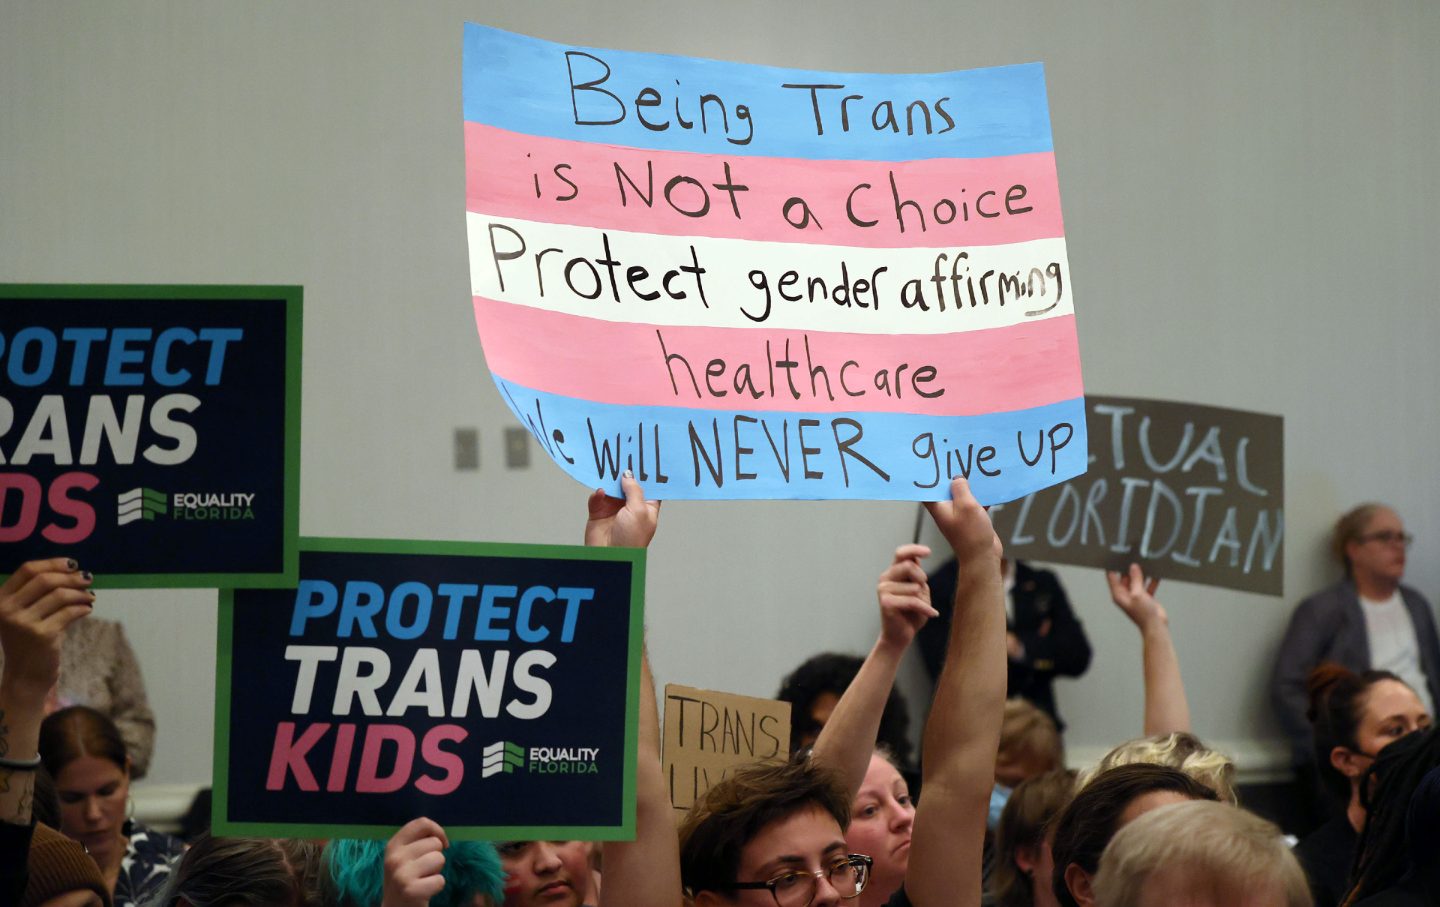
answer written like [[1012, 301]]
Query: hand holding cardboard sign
[[413, 860], [614, 523], [904, 594]]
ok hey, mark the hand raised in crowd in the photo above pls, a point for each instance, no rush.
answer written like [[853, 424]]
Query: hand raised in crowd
[[965, 524], [904, 595], [1134, 593], [37, 603], [414, 856], [614, 523]]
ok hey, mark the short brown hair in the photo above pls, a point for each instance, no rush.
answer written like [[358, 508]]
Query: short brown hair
[[1027, 732], [1211, 846], [732, 812], [1022, 824], [232, 872]]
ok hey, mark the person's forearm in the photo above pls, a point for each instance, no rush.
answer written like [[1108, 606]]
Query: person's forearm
[[848, 738], [970, 694], [645, 872], [960, 743], [1166, 708], [21, 712]]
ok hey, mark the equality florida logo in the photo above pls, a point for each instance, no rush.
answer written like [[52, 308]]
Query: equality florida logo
[[508, 757], [149, 504]]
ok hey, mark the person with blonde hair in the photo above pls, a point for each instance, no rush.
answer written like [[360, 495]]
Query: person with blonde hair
[[1199, 854], [1030, 744], [1180, 750], [1168, 740]]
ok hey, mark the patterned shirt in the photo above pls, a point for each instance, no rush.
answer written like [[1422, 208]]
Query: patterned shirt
[[146, 865]]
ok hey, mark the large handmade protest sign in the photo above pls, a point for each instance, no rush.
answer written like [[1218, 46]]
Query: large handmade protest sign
[[748, 282], [493, 688], [709, 734], [1190, 492], [152, 432]]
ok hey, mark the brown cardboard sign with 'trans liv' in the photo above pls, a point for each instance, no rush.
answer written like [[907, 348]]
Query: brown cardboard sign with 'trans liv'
[[1189, 492], [710, 734]]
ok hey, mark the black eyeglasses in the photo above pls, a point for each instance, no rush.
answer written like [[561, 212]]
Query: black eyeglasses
[[1389, 537], [797, 887]]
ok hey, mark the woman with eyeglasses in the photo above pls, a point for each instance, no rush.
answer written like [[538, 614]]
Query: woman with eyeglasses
[[1368, 621], [83, 751], [1355, 716]]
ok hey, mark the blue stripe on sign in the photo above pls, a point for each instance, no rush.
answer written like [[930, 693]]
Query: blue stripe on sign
[[687, 454], [538, 87]]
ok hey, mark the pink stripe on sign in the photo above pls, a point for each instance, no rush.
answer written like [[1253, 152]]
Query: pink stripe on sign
[[942, 202], [970, 373]]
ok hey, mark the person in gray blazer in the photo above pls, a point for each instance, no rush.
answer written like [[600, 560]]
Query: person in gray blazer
[[1369, 620]]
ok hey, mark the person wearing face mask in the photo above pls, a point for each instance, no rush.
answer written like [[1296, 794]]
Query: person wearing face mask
[[546, 873], [1355, 716], [84, 753], [1369, 620]]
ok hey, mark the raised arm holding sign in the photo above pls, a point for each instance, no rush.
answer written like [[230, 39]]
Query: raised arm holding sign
[[847, 744], [644, 872]]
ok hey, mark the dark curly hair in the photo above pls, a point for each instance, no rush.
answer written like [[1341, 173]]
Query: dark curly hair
[[831, 672]]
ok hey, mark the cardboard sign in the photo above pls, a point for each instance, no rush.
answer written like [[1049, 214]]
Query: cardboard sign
[[747, 282], [1193, 493], [493, 688], [709, 734], [152, 433]]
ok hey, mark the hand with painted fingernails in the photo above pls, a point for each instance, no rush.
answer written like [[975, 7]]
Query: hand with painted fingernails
[[37, 603]]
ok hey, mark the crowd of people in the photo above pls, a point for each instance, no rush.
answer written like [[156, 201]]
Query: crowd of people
[[986, 812]]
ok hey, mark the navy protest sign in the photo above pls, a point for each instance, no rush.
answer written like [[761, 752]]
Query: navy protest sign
[[152, 433], [493, 688]]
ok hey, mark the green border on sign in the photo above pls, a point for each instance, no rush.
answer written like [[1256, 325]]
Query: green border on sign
[[293, 297], [224, 665]]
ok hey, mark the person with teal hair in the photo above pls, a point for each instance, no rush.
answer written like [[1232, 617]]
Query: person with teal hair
[[418, 866]]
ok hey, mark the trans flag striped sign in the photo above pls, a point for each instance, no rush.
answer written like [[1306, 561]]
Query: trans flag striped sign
[[740, 281]]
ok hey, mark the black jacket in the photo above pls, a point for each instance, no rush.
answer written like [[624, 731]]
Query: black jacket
[[1054, 640]]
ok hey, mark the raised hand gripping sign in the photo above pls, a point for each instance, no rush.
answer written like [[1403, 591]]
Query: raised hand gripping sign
[[742, 281], [491, 687]]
